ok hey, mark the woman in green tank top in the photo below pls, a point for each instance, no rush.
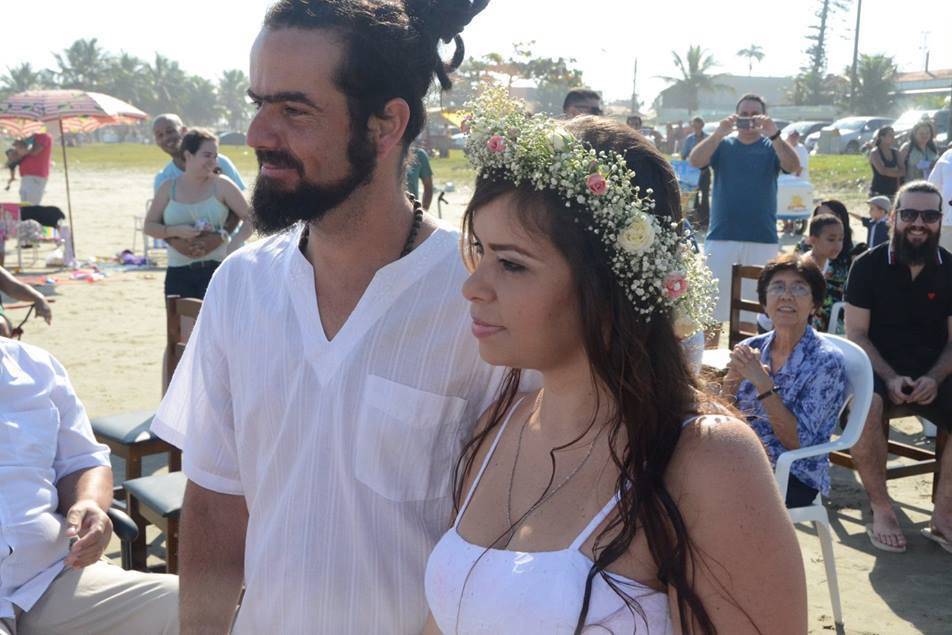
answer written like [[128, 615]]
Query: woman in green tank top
[[194, 205]]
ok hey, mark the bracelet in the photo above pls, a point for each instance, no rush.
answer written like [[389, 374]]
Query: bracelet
[[774, 136], [771, 391]]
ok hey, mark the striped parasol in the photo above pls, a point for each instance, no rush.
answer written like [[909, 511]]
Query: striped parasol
[[73, 111]]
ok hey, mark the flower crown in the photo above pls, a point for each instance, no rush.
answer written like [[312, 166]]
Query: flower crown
[[659, 272]]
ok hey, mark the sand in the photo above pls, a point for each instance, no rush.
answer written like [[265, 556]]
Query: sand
[[110, 336]]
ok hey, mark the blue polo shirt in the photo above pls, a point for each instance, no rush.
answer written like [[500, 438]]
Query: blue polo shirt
[[744, 197], [172, 171]]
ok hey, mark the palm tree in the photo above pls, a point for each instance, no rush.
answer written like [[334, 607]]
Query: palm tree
[[20, 78], [752, 52], [83, 65], [200, 102], [876, 81], [232, 95], [695, 77], [125, 79], [166, 80]]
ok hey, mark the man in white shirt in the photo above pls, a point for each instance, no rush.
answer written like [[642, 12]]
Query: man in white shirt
[[332, 379], [793, 139], [55, 485], [941, 177]]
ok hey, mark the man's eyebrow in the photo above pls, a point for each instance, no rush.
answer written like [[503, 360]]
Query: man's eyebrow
[[288, 95]]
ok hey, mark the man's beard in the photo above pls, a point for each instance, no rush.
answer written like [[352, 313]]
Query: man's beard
[[911, 254], [276, 208]]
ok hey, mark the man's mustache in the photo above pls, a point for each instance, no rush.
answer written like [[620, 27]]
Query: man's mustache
[[279, 159]]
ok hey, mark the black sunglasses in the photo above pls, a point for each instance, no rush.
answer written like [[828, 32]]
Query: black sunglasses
[[928, 215]]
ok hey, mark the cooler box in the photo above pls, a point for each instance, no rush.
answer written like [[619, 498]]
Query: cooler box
[[794, 198]]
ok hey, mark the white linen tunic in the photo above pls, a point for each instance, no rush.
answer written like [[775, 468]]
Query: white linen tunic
[[44, 436], [343, 449]]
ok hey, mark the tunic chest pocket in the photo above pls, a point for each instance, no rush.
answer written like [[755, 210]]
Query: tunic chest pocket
[[406, 440], [28, 438]]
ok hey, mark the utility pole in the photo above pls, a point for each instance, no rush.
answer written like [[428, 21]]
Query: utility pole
[[634, 90], [859, 14]]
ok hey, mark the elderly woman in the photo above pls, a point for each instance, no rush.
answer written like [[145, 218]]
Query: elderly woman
[[789, 382]]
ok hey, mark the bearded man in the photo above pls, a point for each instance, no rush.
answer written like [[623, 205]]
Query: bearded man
[[320, 451], [899, 310]]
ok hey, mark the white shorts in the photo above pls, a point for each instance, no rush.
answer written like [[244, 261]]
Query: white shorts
[[31, 189], [721, 256]]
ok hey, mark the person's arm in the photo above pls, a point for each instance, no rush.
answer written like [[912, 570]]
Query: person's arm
[[857, 331], [155, 227], [211, 556], [25, 293], [700, 156], [236, 202], [84, 497], [876, 159], [926, 387], [746, 565], [746, 363], [789, 161]]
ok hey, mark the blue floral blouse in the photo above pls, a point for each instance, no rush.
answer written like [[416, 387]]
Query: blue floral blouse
[[812, 385]]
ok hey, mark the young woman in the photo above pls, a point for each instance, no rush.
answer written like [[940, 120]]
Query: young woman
[[614, 496], [920, 153], [193, 205], [886, 162]]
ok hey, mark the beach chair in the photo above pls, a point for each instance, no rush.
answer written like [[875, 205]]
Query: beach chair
[[157, 499], [859, 375]]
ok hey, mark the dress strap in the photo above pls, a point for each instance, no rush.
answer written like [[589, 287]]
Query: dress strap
[[489, 455], [610, 505], [595, 522]]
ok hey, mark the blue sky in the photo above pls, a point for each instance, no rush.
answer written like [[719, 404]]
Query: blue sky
[[605, 36]]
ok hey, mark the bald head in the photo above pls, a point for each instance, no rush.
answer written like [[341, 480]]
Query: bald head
[[168, 130]]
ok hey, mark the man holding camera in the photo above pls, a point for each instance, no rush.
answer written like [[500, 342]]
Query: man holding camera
[[743, 223], [899, 310]]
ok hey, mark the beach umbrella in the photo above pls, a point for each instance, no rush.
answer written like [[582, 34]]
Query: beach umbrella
[[72, 111]]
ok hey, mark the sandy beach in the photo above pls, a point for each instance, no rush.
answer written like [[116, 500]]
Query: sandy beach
[[110, 335]]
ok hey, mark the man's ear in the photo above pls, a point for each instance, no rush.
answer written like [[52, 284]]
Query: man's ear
[[387, 130]]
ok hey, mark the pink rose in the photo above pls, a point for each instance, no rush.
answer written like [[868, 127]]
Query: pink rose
[[496, 143], [675, 285], [597, 184]]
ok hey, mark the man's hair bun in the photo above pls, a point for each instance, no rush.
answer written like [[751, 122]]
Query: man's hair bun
[[444, 20]]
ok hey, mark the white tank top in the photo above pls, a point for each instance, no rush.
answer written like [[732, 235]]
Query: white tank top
[[474, 590]]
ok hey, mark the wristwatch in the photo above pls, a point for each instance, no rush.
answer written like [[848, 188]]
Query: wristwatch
[[774, 136], [771, 391]]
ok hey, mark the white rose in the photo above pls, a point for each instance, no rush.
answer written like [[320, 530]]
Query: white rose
[[684, 325], [638, 236], [557, 139]]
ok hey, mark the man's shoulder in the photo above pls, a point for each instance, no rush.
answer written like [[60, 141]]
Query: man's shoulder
[[263, 253], [25, 354], [872, 257]]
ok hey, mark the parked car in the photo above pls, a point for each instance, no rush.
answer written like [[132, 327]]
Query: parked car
[[848, 135], [805, 128], [908, 119]]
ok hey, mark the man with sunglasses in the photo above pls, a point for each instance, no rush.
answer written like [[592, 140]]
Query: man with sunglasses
[[899, 310], [581, 101]]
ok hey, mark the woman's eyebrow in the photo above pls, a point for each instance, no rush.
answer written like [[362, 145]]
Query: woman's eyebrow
[[507, 247]]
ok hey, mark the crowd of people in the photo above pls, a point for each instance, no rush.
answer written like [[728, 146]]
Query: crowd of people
[[507, 440]]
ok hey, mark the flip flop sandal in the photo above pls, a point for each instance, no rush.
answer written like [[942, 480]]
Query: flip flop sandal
[[936, 537], [882, 546]]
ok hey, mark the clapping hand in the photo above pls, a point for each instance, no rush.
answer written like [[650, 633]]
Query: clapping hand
[[745, 362]]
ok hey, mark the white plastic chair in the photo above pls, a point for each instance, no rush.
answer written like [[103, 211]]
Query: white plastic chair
[[859, 394]]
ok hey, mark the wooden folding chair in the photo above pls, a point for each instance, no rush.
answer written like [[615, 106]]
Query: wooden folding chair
[[740, 331], [157, 499]]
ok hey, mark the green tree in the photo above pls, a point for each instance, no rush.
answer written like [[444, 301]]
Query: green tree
[[752, 52], [696, 76], [20, 78], [83, 65], [233, 99], [811, 87], [167, 81], [876, 81], [125, 78], [200, 102]]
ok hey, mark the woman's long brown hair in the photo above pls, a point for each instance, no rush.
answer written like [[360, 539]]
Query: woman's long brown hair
[[642, 367]]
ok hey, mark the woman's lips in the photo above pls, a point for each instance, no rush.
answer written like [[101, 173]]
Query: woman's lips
[[482, 329]]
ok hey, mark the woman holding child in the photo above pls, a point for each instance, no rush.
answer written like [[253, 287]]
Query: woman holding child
[[193, 204], [609, 500]]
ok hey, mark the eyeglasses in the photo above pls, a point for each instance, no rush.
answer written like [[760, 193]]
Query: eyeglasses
[[796, 289], [928, 216]]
